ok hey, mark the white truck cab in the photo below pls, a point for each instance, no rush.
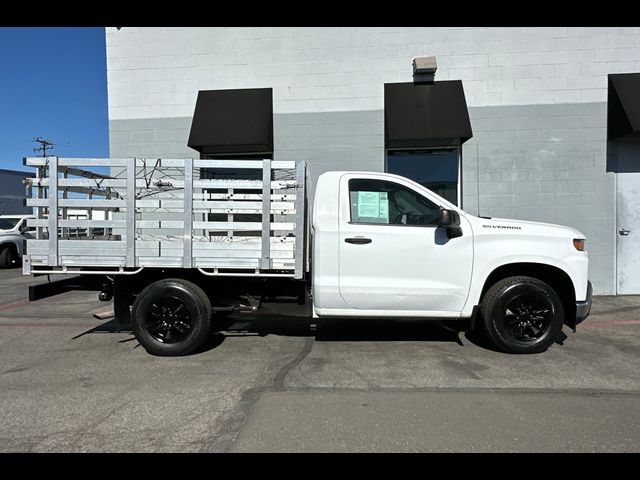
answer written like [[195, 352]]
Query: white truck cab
[[13, 235]]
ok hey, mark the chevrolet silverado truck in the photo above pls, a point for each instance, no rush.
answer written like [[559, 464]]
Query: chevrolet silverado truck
[[188, 240]]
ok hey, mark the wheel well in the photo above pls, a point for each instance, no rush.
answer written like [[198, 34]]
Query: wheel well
[[552, 276]]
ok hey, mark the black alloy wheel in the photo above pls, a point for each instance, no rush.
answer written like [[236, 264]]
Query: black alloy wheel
[[171, 317], [169, 320], [522, 315], [527, 317]]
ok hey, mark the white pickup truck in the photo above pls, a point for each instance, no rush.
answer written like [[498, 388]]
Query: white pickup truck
[[190, 239], [13, 235]]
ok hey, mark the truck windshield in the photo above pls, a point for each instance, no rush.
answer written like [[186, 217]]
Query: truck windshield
[[8, 223]]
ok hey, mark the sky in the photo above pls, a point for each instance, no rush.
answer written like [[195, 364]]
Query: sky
[[53, 84]]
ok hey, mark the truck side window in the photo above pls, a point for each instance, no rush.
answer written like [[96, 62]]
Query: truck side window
[[389, 203]]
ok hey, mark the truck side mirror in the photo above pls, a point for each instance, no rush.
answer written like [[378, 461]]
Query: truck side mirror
[[450, 219]]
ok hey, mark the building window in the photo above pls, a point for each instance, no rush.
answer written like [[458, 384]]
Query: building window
[[437, 169]]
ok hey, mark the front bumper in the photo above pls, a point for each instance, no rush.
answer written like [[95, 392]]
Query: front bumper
[[584, 308]]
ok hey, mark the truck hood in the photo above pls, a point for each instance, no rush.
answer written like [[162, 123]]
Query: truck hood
[[506, 225]]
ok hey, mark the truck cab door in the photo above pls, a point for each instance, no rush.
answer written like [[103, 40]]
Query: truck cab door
[[393, 256]]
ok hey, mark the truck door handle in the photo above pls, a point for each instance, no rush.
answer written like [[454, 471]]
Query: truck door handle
[[624, 232], [358, 240]]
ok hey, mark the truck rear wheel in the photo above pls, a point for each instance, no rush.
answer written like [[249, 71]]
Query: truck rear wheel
[[171, 317], [522, 315]]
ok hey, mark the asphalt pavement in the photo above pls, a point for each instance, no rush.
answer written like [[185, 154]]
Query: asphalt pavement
[[70, 383]]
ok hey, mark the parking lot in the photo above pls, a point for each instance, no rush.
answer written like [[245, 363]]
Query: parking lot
[[68, 382]]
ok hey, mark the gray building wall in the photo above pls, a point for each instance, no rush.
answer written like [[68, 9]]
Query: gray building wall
[[546, 163], [12, 192], [536, 97]]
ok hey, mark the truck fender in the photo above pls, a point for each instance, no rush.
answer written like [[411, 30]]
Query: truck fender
[[547, 269]]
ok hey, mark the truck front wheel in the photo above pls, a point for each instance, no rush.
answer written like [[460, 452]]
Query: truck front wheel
[[8, 256], [171, 317], [522, 315]]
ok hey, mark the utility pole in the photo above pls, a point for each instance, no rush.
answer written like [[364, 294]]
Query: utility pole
[[44, 146]]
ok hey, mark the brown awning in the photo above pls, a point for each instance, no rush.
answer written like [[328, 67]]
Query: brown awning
[[425, 115], [233, 121], [623, 106]]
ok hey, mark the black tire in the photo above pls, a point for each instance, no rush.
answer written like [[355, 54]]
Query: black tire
[[171, 317], [8, 257], [522, 315]]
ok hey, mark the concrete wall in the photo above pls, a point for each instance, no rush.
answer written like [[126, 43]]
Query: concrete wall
[[545, 163], [536, 96]]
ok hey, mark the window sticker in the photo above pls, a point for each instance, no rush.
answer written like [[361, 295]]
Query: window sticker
[[373, 206]]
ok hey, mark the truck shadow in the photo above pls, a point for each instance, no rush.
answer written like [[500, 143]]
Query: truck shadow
[[330, 330], [363, 330], [345, 329]]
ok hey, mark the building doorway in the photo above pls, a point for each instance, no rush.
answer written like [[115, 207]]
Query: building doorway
[[628, 233], [623, 159]]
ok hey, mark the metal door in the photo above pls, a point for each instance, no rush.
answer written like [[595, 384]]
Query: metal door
[[628, 233]]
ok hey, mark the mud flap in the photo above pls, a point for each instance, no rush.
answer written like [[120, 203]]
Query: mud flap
[[583, 309]]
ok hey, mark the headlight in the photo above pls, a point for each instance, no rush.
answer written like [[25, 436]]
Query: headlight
[[579, 244]]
